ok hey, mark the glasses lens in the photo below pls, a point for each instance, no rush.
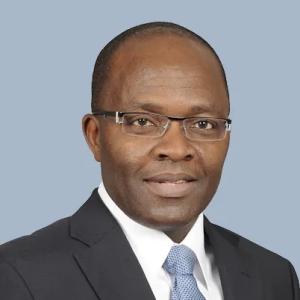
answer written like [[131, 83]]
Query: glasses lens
[[144, 124], [205, 129]]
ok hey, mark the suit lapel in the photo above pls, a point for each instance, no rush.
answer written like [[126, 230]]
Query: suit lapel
[[238, 274], [108, 262]]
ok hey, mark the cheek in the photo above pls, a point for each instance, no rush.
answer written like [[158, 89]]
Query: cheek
[[212, 156], [125, 155]]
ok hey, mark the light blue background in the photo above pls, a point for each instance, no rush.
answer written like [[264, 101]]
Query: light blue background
[[48, 49]]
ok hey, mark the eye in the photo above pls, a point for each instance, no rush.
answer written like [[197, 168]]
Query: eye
[[204, 124], [140, 121]]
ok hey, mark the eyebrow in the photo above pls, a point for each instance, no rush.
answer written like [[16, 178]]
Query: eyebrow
[[156, 108]]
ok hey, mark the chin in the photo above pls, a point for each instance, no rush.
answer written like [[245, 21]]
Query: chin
[[167, 219]]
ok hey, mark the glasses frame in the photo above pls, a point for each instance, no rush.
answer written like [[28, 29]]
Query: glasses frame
[[118, 117]]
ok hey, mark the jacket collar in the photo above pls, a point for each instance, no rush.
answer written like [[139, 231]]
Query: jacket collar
[[108, 262], [238, 272], [113, 271], [92, 221]]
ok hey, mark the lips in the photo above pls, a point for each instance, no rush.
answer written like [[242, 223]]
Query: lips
[[170, 185]]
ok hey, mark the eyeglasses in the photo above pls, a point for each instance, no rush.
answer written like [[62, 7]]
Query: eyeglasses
[[155, 125]]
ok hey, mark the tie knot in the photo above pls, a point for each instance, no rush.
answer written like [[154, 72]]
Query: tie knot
[[180, 261]]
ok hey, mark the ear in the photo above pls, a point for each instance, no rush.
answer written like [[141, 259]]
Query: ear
[[91, 131]]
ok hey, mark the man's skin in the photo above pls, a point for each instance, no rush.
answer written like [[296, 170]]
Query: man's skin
[[183, 81]]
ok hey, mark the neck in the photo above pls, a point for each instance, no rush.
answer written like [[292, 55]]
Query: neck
[[178, 234]]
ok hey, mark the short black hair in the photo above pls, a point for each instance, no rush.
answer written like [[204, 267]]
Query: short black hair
[[102, 64]]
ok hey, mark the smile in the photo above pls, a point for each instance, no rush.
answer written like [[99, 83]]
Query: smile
[[171, 185]]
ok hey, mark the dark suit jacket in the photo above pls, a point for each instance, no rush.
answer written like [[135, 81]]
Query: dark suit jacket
[[87, 257]]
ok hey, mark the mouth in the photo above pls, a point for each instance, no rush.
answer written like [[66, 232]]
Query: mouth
[[169, 185]]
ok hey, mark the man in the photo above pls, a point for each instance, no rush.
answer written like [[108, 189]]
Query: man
[[160, 129]]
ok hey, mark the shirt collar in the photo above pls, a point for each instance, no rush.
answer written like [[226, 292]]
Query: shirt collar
[[152, 246]]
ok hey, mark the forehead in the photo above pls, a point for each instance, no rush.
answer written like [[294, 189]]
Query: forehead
[[171, 73]]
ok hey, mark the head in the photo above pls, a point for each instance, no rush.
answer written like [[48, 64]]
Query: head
[[162, 182]]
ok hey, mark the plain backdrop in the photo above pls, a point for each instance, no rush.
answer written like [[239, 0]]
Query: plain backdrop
[[48, 49]]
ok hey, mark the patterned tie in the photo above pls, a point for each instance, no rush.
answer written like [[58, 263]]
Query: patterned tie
[[180, 263]]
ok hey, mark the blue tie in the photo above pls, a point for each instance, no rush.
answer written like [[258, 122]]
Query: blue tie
[[180, 263]]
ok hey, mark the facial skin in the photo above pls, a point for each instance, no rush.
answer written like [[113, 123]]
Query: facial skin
[[183, 80]]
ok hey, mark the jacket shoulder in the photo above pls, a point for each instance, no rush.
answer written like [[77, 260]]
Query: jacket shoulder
[[54, 238], [248, 246], [275, 271], [268, 262]]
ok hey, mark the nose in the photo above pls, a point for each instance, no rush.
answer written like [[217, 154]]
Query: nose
[[174, 145]]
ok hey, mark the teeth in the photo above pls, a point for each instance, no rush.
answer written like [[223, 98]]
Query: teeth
[[180, 181], [176, 182]]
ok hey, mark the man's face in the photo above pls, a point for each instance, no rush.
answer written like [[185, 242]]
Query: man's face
[[163, 182]]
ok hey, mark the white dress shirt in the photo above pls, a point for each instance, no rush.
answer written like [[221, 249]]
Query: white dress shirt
[[152, 247]]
